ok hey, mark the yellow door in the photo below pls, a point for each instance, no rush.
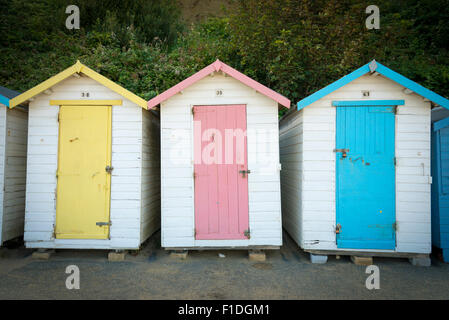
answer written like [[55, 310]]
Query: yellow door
[[84, 184]]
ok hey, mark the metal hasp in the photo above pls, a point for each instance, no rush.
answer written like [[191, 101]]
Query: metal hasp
[[343, 151], [338, 228], [247, 234], [109, 169], [243, 172], [102, 224]]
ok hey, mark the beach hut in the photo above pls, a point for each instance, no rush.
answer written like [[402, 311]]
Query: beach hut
[[356, 167], [93, 164], [13, 143], [220, 162], [440, 186]]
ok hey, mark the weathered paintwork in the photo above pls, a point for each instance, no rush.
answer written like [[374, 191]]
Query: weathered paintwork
[[440, 186], [84, 185], [221, 191], [365, 177]]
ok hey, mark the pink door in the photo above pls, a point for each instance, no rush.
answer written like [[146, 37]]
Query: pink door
[[221, 180]]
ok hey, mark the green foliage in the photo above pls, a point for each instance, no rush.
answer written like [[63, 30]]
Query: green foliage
[[149, 19], [36, 45], [296, 47], [38, 20], [300, 46]]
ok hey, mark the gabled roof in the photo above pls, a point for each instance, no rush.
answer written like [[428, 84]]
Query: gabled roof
[[215, 67], [372, 67], [7, 94], [78, 67]]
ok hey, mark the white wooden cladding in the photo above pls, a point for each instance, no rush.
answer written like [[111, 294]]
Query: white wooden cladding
[[13, 137], [177, 163], [307, 140], [134, 210]]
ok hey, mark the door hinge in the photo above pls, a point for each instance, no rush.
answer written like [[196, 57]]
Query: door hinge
[[194, 175], [58, 116], [338, 228], [103, 224], [395, 226], [194, 232], [193, 111], [247, 233]]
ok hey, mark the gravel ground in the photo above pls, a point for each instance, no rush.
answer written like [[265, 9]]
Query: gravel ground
[[153, 274]]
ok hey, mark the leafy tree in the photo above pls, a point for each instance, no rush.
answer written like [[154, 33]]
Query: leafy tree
[[293, 46], [299, 46]]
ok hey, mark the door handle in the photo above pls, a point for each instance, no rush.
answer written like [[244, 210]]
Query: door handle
[[109, 169], [343, 151], [244, 172]]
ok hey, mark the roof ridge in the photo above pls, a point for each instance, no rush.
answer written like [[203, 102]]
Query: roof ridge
[[215, 67], [371, 67]]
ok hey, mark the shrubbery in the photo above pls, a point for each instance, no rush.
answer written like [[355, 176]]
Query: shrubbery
[[293, 46]]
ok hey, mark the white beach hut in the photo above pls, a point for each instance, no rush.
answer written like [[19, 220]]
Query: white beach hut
[[220, 162], [13, 144], [356, 167], [93, 172]]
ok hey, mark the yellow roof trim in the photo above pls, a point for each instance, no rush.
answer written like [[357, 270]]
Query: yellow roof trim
[[78, 67]]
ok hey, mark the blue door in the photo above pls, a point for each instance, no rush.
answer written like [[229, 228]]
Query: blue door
[[365, 175]]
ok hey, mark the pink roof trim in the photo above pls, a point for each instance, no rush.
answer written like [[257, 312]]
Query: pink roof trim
[[217, 66]]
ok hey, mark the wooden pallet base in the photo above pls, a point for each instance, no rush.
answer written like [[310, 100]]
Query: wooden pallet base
[[223, 248], [368, 254], [257, 255]]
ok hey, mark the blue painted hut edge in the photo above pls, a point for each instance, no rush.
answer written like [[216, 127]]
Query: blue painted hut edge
[[440, 196], [375, 66], [368, 103], [6, 95], [441, 124], [4, 100]]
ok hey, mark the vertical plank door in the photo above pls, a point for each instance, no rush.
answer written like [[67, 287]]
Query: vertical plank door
[[84, 183], [221, 180], [366, 177]]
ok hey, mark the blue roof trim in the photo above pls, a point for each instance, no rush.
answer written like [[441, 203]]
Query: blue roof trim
[[333, 86], [368, 103], [413, 86], [4, 100], [8, 93], [441, 124]]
